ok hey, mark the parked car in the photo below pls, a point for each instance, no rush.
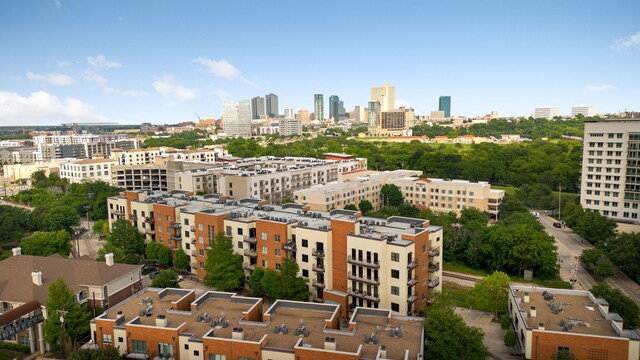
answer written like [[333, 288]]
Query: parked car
[[557, 224], [153, 274]]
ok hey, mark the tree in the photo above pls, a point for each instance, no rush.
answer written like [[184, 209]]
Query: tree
[[166, 279], [47, 243], [125, 242], [594, 227], [510, 339], [165, 255], [470, 214], [181, 261], [505, 321], [365, 207], [448, 337], [151, 252], [619, 303], [60, 217], [14, 222], [292, 286], [101, 353], [350, 207], [603, 268], [255, 282], [270, 284], [391, 195], [511, 205], [492, 292], [101, 227], [76, 319], [624, 252], [224, 268], [596, 260]]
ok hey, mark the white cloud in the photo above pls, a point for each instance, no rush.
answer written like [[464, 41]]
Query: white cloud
[[56, 79], [598, 88], [167, 86], [101, 62], [104, 84], [57, 3], [63, 63], [223, 69], [41, 106], [628, 43]]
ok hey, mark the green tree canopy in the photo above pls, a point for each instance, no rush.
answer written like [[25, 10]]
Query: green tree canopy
[[292, 286], [224, 268], [255, 282], [181, 261], [14, 222], [101, 353], [594, 227], [61, 217], [624, 252], [47, 243], [350, 207], [448, 337], [166, 279], [619, 303], [391, 195], [492, 292], [470, 214], [125, 242], [365, 207]]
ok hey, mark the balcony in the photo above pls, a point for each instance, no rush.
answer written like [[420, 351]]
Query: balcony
[[134, 217], [193, 242], [193, 228], [435, 282], [412, 264], [149, 220], [250, 253], [193, 253], [176, 225], [364, 262], [250, 240], [412, 282], [117, 213], [176, 237], [412, 299], [318, 268], [434, 252], [363, 295], [318, 283], [150, 232], [317, 253], [364, 279], [289, 246], [248, 266], [434, 266]]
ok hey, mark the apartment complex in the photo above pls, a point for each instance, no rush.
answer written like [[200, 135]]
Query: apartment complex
[[175, 324], [546, 113], [353, 260], [290, 126], [87, 170], [584, 110], [547, 321], [610, 182], [24, 293], [150, 155]]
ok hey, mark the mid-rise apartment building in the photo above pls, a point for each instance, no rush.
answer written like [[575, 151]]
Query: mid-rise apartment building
[[546, 113], [392, 263], [175, 324], [547, 321], [290, 126], [149, 155], [87, 170], [610, 182], [584, 110]]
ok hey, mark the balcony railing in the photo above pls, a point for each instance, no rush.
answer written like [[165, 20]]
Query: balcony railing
[[193, 242], [176, 236], [193, 253], [364, 295], [412, 281], [362, 278], [434, 251], [434, 266], [317, 253], [117, 213], [193, 228], [150, 232], [289, 246], [250, 253], [318, 284], [176, 225], [363, 262], [149, 220], [435, 282], [412, 264], [250, 240], [412, 299], [318, 268], [248, 266], [134, 217]]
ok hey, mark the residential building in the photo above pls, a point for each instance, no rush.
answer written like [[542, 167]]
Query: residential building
[[318, 106], [444, 104], [24, 171], [175, 324], [26, 280], [271, 105], [150, 155], [290, 126], [385, 95], [257, 108], [353, 260], [87, 170], [610, 174], [584, 110], [237, 118], [547, 321], [19, 155], [303, 115], [546, 113], [141, 176]]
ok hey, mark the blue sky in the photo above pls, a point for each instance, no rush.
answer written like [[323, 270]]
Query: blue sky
[[161, 61]]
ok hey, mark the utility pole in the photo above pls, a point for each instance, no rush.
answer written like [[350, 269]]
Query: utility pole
[[560, 202], [62, 313]]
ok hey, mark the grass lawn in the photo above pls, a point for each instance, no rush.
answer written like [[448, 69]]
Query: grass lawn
[[457, 267], [460, 297], [556, 283], [9, 355]]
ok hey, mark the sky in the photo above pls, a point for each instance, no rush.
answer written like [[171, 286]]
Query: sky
[[164, 61]]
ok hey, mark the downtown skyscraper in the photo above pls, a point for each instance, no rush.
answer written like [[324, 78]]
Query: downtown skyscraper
[[257, 107], [336, 108], [318, 106], [271, 102], [444, 104], [237, 118]]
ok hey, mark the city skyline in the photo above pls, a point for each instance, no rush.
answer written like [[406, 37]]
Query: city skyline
[[126, 65]]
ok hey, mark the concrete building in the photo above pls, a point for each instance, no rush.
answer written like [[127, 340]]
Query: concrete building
[[444, 104], [546, 113], [349, 259], [257, 108], [290, 127], [288, 113], [151, 155], [24, 171], [178, 324], [26, 280], [336, 108], [87, 170], [584, 110], [19, 155], [142, 176], [271, 105], [318, 106], [237, 118], [373, 115], [611, 169], [547, 321], [303, 115], [385, 95]]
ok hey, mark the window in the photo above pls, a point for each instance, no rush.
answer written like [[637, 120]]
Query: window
[[395, 307], [120, 339], [263, 236], [276, 238], [395, 257], [239, 231], [395, 290], [305, 243], [395, 274], [277, 266], [264, 250], [139, 346], [106, 339], [165, 349], [305, 258], [305, 273], [186, 346], [217, 357]]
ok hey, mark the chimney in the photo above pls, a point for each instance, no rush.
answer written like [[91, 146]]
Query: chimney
[[540, 326], [16, 251], [161, 321], [36, 276], [330, 343], [109, 259], [534, 312], [237, 333], [383, 352], [526, 297]]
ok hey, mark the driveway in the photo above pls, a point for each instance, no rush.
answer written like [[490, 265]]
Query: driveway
[[493, 334]]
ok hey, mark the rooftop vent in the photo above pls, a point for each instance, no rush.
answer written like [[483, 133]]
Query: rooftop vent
[[161, 321], [533, 312], [526, 297], [330, 343], [540, 326], [109, 259], [36, 277], [237, 333], [16, 251]]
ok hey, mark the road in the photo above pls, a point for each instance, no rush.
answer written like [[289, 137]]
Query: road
[[571, 245]]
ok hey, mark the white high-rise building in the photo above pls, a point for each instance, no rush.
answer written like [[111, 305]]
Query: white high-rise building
[[546, 113], [237, 118], [385, 95], [288, 113], [290, 127], [610, 181], [584, 110]]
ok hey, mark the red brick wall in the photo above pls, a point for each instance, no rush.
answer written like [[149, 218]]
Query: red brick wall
[[340, 229], [311, 354], [214, 220], [164, 224], [342, 300], [231, 349], [420, 240], [153, 336], [184, 303], [115, 298], [545, 344], [272, 228]]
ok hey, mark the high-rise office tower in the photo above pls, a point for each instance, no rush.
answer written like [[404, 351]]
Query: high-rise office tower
[[303, 115], [373, 115], [237, 118], [336, 108], [271, 102], [584, 110], [444, 104], [288, 113], [257, 107], [318, 106], [385, 95]]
